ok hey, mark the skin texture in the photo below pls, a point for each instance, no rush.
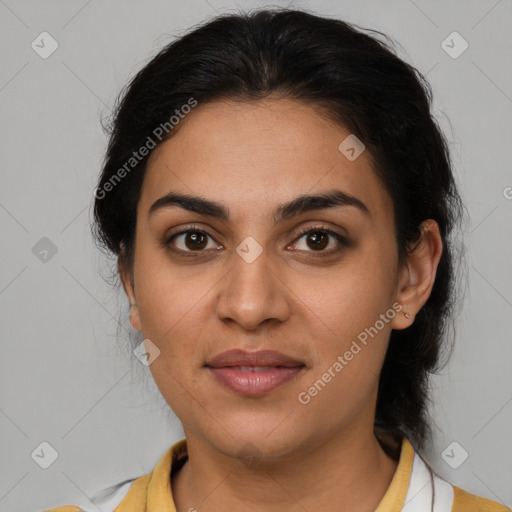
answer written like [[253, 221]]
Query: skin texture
[[270, 452]]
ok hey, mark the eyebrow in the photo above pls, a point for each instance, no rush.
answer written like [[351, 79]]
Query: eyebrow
[[301, 204]]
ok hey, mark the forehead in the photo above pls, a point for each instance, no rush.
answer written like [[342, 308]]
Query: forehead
[[254, 155]]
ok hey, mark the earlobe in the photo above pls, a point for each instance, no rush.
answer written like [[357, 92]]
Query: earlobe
[[402, 319], [135, 317], [129, 288], [418, 275]]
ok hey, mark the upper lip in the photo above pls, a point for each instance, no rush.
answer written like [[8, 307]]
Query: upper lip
[[239, 357]]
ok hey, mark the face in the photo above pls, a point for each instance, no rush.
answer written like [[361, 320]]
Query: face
[[206, 283]]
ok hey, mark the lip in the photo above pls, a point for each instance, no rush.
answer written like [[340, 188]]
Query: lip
[[235, 369], [239, 357]]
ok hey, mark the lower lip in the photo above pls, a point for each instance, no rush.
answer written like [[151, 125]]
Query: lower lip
[[252, 383]]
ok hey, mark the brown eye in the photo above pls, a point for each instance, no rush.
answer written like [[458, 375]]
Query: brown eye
[[189, 241], [195, 240], [317, 239]]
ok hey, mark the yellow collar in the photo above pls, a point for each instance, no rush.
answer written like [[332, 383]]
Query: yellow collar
[[394, 499], [152, 492]]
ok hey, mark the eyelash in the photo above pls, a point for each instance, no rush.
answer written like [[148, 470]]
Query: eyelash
[[344, 242]]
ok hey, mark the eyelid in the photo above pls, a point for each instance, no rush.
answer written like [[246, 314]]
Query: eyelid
[[187, 229], [324, 229], [342, 239]]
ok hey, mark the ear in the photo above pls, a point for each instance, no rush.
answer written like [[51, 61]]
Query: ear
[[129, 288], [418, 275]]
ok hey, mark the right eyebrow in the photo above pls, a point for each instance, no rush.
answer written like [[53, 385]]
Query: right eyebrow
[[301, 204]]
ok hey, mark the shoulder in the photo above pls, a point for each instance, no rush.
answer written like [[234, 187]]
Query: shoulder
[[446, 496], [65, 508], [108, 499], [428, 491], [463, 501], [133, 494]]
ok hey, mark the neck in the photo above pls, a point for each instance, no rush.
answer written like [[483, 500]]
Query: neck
[[349, 472]]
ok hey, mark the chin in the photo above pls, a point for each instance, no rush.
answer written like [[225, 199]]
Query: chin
[[258, 443]]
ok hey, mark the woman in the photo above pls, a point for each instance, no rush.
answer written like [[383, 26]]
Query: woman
[[280, 201]]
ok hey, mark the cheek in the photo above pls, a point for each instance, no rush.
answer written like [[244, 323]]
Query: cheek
[[166, 298], [350, 317], [175, 313], [345, 300]]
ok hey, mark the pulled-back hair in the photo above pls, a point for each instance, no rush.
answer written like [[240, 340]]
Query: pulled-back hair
[[352, 77]]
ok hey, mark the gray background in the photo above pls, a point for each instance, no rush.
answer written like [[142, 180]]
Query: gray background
[[66, 378]]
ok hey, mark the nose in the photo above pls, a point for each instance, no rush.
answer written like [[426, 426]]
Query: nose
[[253, 293]]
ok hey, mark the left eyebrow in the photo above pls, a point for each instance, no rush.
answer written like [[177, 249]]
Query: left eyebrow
[[297, 206]]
